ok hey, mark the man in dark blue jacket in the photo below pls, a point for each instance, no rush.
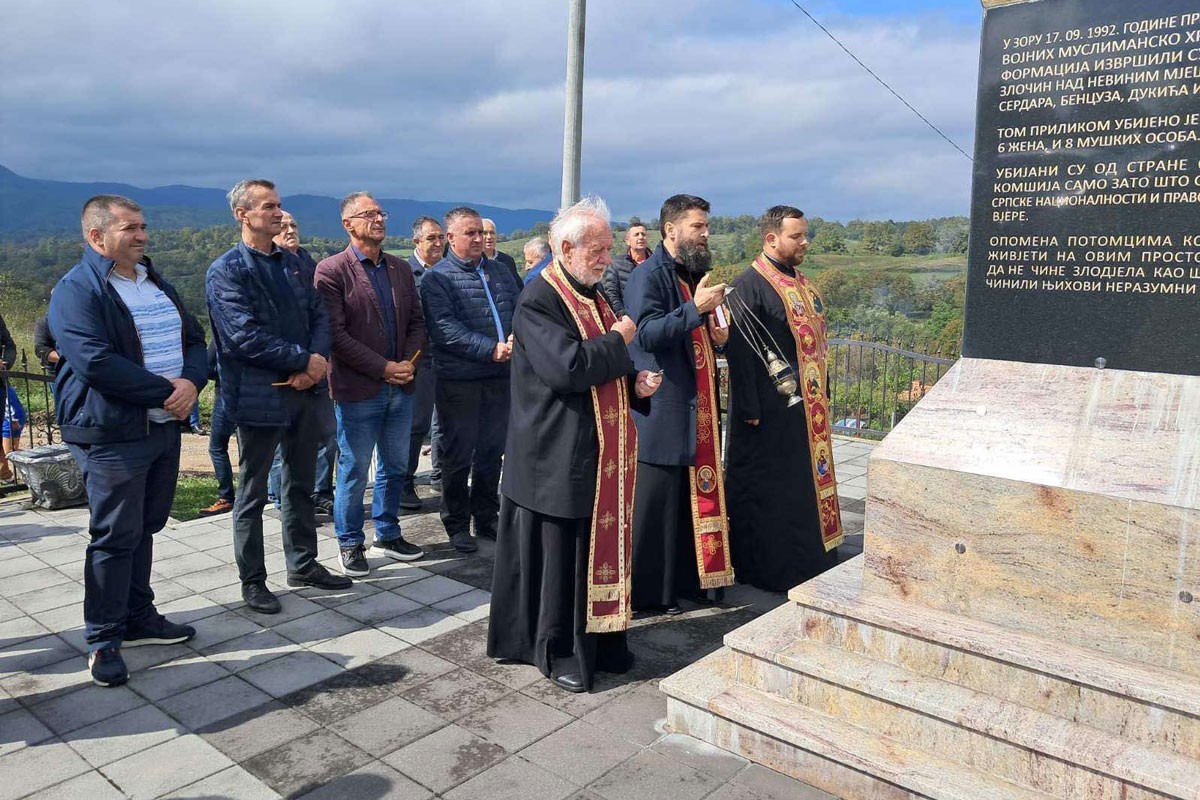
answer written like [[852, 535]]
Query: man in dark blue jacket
[[669, 297], [134, 362], [469, 301], [273, 339]]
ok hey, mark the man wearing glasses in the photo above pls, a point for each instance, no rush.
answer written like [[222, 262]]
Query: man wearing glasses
[[469, 301], [377, 327]]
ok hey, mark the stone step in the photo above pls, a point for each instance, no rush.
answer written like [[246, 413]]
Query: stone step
[[844, 759], [1144, 704], [1020, 744]]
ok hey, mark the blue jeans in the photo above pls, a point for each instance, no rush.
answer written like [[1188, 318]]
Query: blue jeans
[[221, 431], [382, 423]]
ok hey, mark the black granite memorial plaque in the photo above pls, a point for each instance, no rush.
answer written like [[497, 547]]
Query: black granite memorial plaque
[[1085, 210]]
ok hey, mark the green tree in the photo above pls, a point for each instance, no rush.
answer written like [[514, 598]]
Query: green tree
[[918, 238]]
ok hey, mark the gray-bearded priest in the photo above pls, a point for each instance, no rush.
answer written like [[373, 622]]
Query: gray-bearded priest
[[561, 587]]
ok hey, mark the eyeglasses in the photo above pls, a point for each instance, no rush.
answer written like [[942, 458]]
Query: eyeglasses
[[370, 215]]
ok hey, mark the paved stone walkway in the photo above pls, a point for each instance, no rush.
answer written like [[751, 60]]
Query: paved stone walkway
[[381, 691]]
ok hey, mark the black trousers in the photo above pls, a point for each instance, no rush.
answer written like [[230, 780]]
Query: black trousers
[[539, 598], [297, 442], [473, 417], [664, 549], [422, 424]]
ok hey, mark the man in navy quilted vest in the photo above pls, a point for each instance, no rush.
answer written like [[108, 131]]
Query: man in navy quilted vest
[[469, 300], [273, 339]]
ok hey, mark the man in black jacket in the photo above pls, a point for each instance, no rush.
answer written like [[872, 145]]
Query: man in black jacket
[[134, 363], [612, 285], [561, 585]]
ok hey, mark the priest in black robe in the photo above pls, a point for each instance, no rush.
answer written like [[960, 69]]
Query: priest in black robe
[[560, 592], [781, 532]]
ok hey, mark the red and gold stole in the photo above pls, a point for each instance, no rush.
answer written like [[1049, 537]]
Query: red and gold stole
[[806, 317], [611, 550], [710, 524]]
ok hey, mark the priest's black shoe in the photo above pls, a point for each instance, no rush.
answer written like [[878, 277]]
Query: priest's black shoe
[[318, 577], [572, 682], [673, 610]]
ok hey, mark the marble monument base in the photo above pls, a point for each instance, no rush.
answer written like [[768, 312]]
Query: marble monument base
[[1021, 623]]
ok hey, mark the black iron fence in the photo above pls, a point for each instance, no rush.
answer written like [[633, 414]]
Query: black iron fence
[[33, 387], [875, 381]]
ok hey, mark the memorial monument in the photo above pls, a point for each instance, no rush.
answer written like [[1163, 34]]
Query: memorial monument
[[1023, 621]]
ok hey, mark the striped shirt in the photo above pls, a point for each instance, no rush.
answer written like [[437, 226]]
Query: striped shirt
[[158, 325]]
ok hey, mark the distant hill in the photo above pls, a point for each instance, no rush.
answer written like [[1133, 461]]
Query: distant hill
[[30, 208]]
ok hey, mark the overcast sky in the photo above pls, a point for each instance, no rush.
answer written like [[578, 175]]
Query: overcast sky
[[744, 102]]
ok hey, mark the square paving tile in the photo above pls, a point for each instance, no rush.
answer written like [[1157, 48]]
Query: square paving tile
[[123, 735], [21, 629], [187, 610], [47, 681], [513, 779], [421, 625], [702, 756], [184, 564], [604, 690], [759, 783], [248, 651], [339, 696], [376, 780], [291, 672], [378, 607], [222, 627], [463, 646], [19, 728], [60, 594], [27, 581], [650, 776], [33, 653], [88, 786], [22, 564], [233, 783], [455, 694], [387, 726], [580, 752], [293, 607], [33, 768], [90, 704], [472, 606], [324, 624], [401, 671], [636, 715], [212, 578], [212, 702], [307, 763], [446, 758], [174, 677], [257, 730], [166, 767], [354, 649], [514, 721], [433, 589]]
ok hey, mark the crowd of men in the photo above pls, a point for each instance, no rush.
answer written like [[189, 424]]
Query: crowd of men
[[593, 383]]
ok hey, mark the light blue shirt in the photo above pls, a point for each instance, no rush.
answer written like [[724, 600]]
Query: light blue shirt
[[159, 328]]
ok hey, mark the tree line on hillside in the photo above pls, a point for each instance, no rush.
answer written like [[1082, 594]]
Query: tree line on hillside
[[889, 301]]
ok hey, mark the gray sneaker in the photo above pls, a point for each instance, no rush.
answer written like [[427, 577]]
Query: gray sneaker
[[354, 561]]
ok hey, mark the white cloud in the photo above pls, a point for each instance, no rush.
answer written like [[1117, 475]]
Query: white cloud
[[746, 103]]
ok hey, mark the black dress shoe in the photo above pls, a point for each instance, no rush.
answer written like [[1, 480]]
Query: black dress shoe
[[318, 577], [673, 610], [409, 500], [259, 598], [570, 683]]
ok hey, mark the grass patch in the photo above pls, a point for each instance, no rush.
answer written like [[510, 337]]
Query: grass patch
[[192, 493]]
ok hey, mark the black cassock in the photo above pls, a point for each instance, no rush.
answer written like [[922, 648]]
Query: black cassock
[[539, 587], [774, 529]]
